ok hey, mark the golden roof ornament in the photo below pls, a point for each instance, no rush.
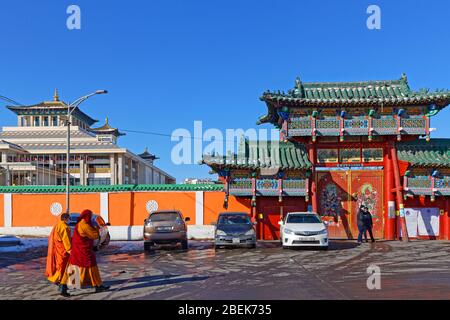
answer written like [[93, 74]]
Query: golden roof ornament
[[56, 95]]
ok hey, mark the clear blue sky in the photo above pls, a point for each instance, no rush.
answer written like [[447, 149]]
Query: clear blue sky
[[167, 63]]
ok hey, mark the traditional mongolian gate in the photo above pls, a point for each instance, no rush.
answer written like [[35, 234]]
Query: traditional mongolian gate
[[341, 192]]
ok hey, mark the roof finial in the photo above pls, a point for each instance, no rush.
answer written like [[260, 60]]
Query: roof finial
[[107, 120], [403, 77], [56, 95]]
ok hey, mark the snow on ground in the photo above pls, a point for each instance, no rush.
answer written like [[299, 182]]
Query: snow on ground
[[24, 245]]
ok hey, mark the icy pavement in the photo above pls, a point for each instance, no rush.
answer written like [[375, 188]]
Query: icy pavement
[[8, 243]]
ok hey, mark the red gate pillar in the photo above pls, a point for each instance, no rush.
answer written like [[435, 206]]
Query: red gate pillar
[[312, 189], [389, 204], [312, 159], [447, 220], [398, 191]]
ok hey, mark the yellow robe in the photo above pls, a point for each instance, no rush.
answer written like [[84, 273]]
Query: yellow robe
[[88, 276], [58, 252]]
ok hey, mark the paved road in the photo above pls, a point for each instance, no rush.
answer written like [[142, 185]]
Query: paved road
[[415, 270]]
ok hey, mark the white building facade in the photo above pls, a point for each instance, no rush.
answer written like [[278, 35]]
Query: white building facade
[[34, 152]]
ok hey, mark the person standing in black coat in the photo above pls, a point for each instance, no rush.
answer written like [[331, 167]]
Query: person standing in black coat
[[368, 223], [365, 223], [361, 225]]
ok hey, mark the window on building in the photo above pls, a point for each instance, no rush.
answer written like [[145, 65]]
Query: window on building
[[54, 121], [73, 181], [98, 181], [350, 155], [372, 154], [327, 155], [37, 122], [46, 122]]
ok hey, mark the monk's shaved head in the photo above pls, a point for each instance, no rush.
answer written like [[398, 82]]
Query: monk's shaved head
[[65, 216]]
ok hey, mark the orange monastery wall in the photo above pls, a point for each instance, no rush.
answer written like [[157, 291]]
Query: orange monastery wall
[[124, 208], [213, 205], [34, 209], [183, 201]]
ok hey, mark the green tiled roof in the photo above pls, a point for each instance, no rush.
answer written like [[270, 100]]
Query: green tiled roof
[[262, 154], [420, 153], [111, 188], [351, 94]]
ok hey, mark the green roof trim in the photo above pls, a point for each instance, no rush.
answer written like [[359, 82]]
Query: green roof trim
[[112, 188], [351, 94], [420, 153], [262, 154]]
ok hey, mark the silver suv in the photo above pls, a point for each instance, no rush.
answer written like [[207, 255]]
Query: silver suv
[[165, 227]]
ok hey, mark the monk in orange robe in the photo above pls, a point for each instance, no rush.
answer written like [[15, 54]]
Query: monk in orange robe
[[83, 255], [59, 246]]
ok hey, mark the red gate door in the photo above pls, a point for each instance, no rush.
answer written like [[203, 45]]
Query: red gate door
[[270, 209], [334, 203], [367, 189]]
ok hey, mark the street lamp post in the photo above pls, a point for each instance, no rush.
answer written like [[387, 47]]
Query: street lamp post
[[70, 108]]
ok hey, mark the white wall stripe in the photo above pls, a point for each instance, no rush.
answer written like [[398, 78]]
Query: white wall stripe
[[199, 208], [7, 209], [117, 232], [104, 206]]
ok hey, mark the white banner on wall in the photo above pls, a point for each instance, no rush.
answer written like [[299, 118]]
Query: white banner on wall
[[428, 222], [411, 221], [422, 221]]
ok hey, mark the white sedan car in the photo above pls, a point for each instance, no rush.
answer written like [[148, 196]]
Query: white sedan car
[[303, 229]]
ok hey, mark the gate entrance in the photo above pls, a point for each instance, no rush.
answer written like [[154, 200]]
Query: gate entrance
[[339, 196]]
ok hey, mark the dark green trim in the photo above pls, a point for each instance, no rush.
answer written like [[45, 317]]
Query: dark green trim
[[111, 188]]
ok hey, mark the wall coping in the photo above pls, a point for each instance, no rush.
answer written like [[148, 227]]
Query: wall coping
[[112, 188]]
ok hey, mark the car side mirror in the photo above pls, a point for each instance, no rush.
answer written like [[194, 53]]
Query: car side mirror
[[326, 223], [187, 219]]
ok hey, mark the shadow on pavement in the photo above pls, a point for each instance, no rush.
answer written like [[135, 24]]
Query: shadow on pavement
[[151, 281]]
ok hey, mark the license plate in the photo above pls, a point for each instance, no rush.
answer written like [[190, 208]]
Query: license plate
[[164, 228], [236, 240], [307, 239]]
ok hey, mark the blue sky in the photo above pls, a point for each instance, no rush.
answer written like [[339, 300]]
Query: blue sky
[[168, 63]]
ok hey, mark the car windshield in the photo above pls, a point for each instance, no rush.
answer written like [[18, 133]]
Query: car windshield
[[74, 219], [165, 216], [234, 219], [303, 218]]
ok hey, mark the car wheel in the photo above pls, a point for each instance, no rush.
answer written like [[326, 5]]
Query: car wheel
[[148, 246], [285, 247], [325, 248], [184, 244], [253, 246]]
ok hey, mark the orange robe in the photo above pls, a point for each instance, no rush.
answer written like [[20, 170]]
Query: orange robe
[[58, 253], [89, 276]]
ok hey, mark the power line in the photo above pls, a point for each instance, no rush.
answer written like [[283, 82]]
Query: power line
[[171, 135], [10, 100]]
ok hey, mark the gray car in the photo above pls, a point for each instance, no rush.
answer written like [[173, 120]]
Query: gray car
[[234, 229]]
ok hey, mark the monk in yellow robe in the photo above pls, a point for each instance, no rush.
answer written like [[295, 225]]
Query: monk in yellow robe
[[83, 255], [59, 246]]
